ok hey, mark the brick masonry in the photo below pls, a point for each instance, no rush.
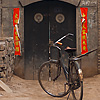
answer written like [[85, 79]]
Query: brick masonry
[[89, 62], [98, 36], [6, 58]]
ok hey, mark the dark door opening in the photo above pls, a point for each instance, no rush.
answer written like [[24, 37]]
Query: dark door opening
[[43, 21]]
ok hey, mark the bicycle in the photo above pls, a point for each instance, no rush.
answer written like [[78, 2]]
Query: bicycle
[[59, 80]]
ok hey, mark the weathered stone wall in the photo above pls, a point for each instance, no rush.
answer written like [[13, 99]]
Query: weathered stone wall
[[89, 62], [99, 36], [6, 28], [7, 58], [0, 20]]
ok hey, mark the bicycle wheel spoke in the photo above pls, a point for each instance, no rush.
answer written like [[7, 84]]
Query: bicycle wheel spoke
[[52, 79], [77, 85], [70, 96]]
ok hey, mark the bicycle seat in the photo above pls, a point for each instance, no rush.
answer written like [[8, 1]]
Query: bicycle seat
[[70, 50]]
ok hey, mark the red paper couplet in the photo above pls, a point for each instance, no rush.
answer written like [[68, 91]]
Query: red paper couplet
[[84, 31], [16, 33]]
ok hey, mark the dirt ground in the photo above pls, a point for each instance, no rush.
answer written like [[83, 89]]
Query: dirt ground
[[31, 90]]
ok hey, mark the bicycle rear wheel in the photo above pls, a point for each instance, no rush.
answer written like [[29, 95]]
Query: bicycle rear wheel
[[52, 79], [77, 84]]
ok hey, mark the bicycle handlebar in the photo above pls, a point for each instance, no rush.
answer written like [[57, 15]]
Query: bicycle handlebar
[[58, 41], [54, 44], [63, 37]]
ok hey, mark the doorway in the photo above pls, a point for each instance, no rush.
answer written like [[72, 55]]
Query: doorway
[[46, 20]]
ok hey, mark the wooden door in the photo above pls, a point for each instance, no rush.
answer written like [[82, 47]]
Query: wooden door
[[43, 21]]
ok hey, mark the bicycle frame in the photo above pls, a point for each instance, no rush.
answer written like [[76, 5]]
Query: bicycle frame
[[66, 72], [67, 69]]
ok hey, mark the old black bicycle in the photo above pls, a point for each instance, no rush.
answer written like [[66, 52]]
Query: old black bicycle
[[59, 80]]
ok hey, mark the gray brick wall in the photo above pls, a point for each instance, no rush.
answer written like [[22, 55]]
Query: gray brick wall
[[99, 36], [7, 16], [89, 62], [6, 25], [0, 22]]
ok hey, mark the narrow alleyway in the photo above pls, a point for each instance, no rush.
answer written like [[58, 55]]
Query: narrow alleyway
[[30, 90]]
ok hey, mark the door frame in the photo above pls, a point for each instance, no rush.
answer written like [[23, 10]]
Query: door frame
[[27, 2]]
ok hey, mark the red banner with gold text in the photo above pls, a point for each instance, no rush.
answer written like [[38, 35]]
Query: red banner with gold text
[[84, 31], [16, 14]]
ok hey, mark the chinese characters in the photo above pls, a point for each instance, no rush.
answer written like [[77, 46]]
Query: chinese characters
[[16, 33], [84, 31]]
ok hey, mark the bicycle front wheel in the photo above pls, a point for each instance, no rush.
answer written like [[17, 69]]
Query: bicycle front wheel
[[77, 84], [52, 79]]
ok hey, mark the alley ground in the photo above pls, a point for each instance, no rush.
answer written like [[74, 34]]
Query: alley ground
[[30, 90]]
